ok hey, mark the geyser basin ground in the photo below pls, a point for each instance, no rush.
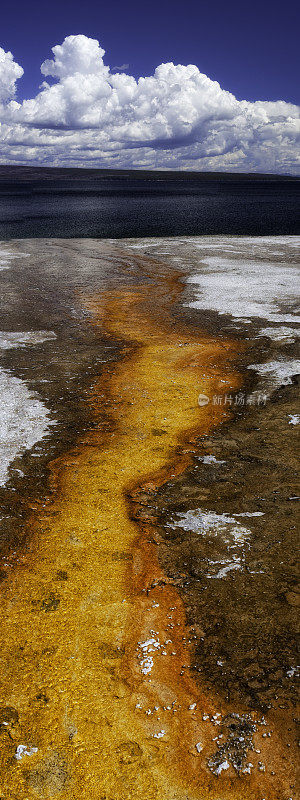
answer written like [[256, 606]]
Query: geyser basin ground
[[148, 591]]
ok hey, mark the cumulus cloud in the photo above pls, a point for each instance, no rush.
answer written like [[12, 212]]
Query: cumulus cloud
[[77, 55], [9, 74], [86, 113]]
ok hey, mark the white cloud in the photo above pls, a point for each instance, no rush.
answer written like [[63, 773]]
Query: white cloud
[[76, 55], [176, 118], [122, 68], [9, 74]]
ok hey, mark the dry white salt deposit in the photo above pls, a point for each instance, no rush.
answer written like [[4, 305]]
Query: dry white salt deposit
[[293, 672], [281, 333], [230, 532], [6, 257], [210, 460], [232, 565], [208, 522], [146, 659], [24, 419], [9, 339], [25, 750], [224, 765], [249, 278], [276, 373], [159, 735], [294, 419], [245, 288]]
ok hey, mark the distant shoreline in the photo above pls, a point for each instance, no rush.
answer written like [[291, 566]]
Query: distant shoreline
[[22, 171]]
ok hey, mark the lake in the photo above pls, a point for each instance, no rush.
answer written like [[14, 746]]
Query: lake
[[90, 203]]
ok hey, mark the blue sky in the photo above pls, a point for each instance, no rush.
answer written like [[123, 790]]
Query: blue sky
[[178, 118], [251, 48]]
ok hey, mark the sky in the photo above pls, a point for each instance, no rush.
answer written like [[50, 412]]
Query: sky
[[194, 85]]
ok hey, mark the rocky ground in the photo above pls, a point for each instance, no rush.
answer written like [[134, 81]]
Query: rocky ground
[[243, 621]]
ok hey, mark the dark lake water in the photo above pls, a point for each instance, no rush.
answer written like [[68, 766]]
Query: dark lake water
[[130, 206]]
